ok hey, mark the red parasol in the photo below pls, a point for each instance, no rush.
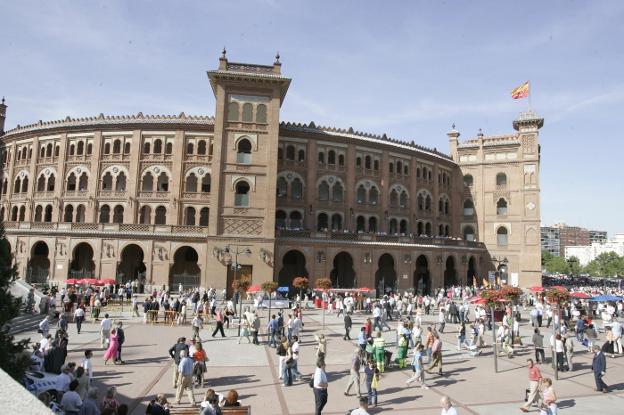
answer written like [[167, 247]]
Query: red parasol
[[580, 295], [89, 281], [72, 281], [364, 289], [536, 289], [106, 281], [254, 289]]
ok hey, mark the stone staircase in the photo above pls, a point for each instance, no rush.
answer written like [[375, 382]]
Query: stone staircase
[[25, 321]]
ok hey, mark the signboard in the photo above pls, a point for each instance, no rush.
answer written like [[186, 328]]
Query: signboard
[[492, 277], [514, 279]]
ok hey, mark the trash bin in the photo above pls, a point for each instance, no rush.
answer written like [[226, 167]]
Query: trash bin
[[387, 358]]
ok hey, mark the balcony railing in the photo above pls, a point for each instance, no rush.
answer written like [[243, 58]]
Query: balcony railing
[[109, 227], [154, 195]]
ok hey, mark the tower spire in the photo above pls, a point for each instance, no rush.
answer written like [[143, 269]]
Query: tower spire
[[3, 108]]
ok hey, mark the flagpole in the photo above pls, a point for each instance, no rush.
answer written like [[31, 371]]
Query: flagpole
[[530, 103]]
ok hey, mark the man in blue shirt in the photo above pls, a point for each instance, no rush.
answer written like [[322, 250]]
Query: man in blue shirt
[[185, 377], [273, 328]]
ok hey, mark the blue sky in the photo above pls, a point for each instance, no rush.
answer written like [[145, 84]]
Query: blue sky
[[407, 69]]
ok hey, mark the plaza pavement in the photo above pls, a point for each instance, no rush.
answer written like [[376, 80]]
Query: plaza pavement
[[252, 371]]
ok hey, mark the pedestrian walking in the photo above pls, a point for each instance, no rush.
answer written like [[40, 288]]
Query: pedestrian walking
[[538, 345], [549, 404], [599, 367], [447, 406], [436, 350], [320, 384], [185, 378], [197, 324], [354, 373], [347, 325], [105, 327], [417, 367], [121, 338], [379, 350], [174, 353], [219, 321], [272, 331], [535, 379], [79, 316]]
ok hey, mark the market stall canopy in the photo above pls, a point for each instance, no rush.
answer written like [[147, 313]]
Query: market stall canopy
[[109, 281], [89, 281], [71, 281], [254, 289], [580, 295], [283, 289], [536, 289]]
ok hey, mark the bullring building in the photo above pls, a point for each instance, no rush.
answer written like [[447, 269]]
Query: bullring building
[[201, 200]]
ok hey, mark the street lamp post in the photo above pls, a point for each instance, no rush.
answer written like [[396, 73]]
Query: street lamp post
[[235, 266], [499, 262]]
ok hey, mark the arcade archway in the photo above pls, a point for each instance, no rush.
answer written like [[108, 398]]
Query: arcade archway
[[185, 269], [422, 278], [131, 266], [385, 277], [343, 274], [471, 274], [82, 265], [39, 264], [450, 273], [293, 265]]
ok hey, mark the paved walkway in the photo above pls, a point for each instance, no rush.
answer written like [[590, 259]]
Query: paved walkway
[[252, 371]]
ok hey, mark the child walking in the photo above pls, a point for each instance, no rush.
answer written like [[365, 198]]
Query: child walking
[[417, 365], [372, 382]]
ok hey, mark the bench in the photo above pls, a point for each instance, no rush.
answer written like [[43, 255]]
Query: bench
[[238, 410]]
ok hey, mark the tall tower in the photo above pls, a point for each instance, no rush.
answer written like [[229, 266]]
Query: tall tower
[[3, 108], [501, 198]]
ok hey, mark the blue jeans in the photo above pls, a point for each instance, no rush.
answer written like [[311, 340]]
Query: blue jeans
[[372, 394], [286, 374], [272, 340]]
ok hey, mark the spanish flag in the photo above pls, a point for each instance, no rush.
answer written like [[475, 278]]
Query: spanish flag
[[521, 92]]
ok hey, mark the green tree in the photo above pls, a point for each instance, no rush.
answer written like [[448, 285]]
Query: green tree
[[556, 264], [574, 265], [607, 264], [546, 256], [13, 360]]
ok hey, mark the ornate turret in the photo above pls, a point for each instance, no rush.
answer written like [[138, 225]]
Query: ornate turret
[[3, 108], [528, 121], [453, 135]]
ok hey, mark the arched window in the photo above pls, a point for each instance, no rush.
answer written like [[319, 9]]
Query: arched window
[[145, 215], [51, 183], [501, 179], [403, 199], [22, 213], [203, 216], [5, 186], [148, 182], [429, 175], [403, 227], [38, 213], [107, 148], [163, 183], [127, 148], [446, 207], [146, 147], [418, 172], [391, 167], [323, 191], [290, 152], [190, 148], [71, 182], [68, 215], [80, 214], [337, 192], [280, 219], [376, 165], [241, 197], [373, 195], [301, 155], [104, 214], [367, 162], [157, 146], [321, 221], [406, 170], [49, 150], [161, 216], [399, 167], [336, 222], [428, 203], [501, 207], [394, 198], [191, 183], [169, 148], [118, 213], [331, 157], [14, 214], [358, 162], [468, 207], [243, 154], [107, 181], [282, 188], [247, 112], [89, 149], [321, 157], [360, 224], [441, 206], [372, 224], [25, 185], [501, 236], [42, 152], [469, 233], [428, 229], [232, 111], [361, 194], [201, 148], [393, 227], [447, 230], [189, 216], [441, 230], [72, 149], [296, 188], [83, 182], [80, 148], [296, 221], [261, 113], [41, 183], [120, 183], [205, 184], [47, 216], [421, 202], [341, 159]]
